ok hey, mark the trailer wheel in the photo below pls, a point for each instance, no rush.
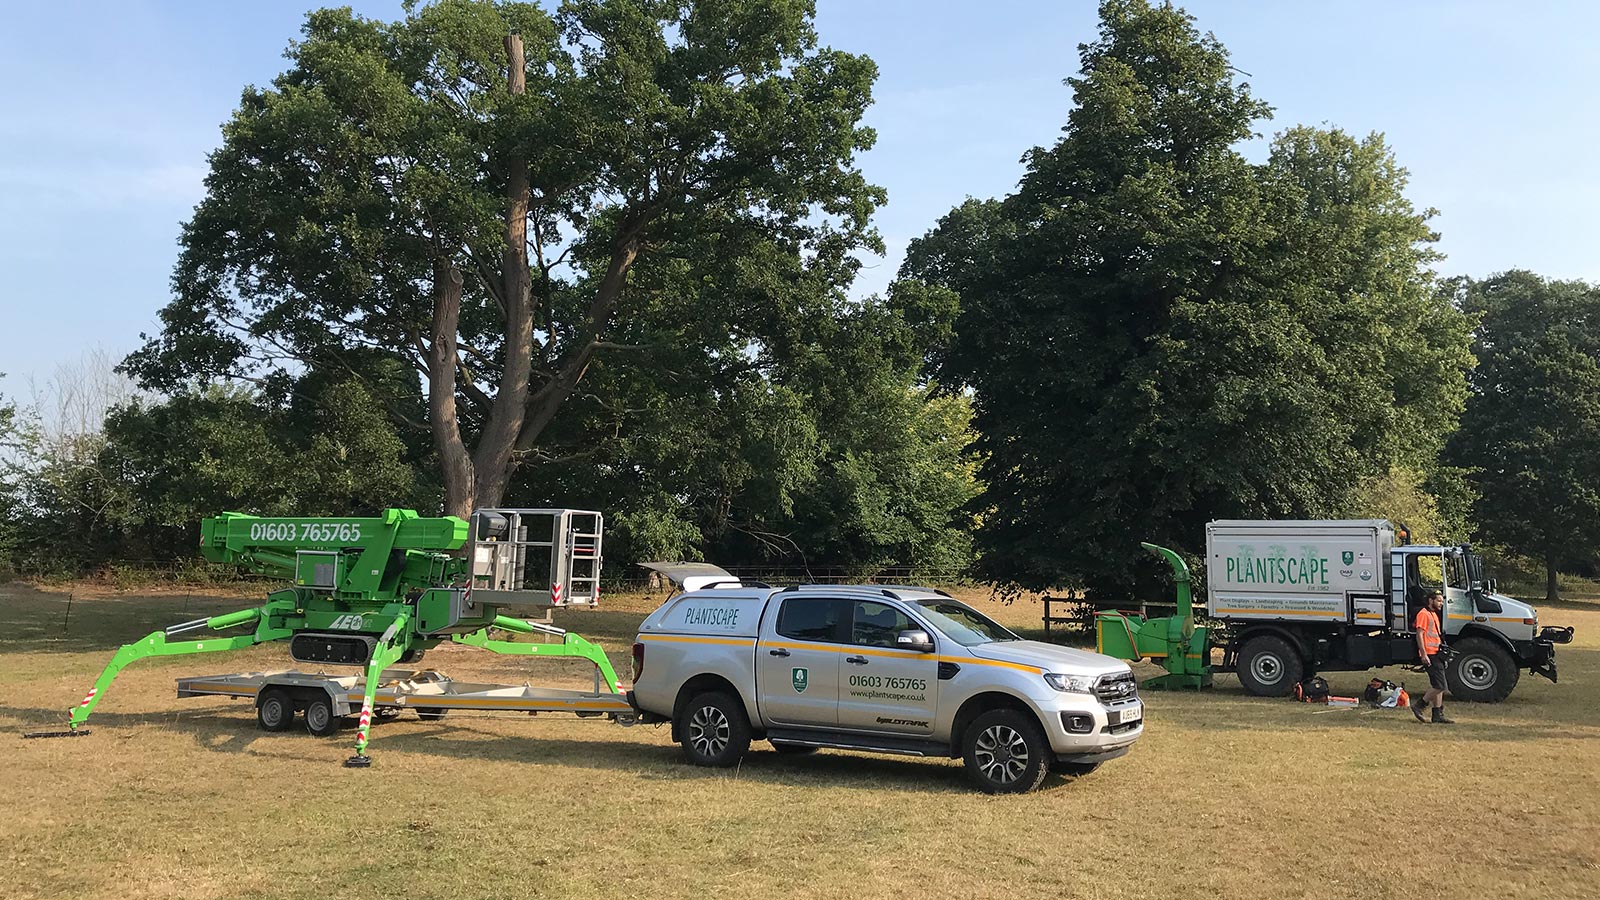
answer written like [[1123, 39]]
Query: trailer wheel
[[1004, 752], [275, 711], [715, 730], [320, 719], [1481, 671], [431, 715], [1269, 667]]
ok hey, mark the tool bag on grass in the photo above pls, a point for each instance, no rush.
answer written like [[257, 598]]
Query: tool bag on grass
[[1312, 690]]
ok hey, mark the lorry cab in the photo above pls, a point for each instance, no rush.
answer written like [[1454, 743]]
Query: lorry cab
[[885, 669]]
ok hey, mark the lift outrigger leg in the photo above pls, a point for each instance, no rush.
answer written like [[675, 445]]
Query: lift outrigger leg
[[156, 644], [571, 645], [391, 646]]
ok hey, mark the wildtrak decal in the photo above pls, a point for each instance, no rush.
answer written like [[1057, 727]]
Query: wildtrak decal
[[915, 723]]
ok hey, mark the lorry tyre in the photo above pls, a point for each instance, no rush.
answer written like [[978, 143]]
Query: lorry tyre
[[1481, 670], [275, 712], [1269, 667], [320, 719], [1005, 752], [715, 730], [793, 749]]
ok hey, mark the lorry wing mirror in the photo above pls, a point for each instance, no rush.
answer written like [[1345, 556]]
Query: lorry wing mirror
[[917, 640]]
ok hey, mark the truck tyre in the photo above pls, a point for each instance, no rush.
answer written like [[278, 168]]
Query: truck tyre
[[1481, 670], [1269, 667], [320, 719], [715, 730], [1005, 752], [793, 749], [275, 712]]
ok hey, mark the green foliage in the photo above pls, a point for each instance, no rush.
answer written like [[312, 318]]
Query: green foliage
[[1530, 436], [1158, 333]]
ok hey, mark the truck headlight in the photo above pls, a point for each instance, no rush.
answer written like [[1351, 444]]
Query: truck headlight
[[1077, 684]]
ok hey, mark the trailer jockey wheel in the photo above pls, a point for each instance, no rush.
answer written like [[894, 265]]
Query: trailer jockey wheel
[[275, 712], [320, 719]]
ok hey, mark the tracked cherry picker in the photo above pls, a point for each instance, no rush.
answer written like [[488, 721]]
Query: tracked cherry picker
[[373, 593]]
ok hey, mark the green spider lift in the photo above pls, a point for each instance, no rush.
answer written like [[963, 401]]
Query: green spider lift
[[1175, 640], [374, 592]]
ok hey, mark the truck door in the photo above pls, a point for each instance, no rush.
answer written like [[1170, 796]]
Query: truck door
[[1458, 605], [798, 660], [882, 687]]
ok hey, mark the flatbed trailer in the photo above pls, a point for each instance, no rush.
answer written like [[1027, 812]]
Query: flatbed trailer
[[324, 699]]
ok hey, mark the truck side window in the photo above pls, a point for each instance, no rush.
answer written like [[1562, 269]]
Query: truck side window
[[815, 619], [878, 624]]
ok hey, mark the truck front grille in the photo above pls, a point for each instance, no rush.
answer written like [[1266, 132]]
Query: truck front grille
[[1112, 688]]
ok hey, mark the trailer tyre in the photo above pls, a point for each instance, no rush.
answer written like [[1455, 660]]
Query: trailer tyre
[[431, 715], [275, 712], [715, 730], [320, 719], [1481, 671], [1269, 667], [1005, 752]]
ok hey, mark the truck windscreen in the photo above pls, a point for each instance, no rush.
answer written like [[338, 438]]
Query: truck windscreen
[[963, 624]]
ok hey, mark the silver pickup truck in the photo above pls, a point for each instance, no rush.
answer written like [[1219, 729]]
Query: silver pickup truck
[[881, 669]]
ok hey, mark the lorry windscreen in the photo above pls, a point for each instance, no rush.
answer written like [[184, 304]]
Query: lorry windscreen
[[963, 624]]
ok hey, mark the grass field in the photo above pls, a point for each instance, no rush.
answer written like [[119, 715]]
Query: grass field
[[1226, 796]]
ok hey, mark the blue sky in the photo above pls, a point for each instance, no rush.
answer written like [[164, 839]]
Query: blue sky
[[109, 110]]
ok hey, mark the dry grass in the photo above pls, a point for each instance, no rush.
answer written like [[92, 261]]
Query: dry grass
[[1226, 796]]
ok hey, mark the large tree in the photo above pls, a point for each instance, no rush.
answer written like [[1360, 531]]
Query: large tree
[[1157, 332], [1531, 431], [501, 198]]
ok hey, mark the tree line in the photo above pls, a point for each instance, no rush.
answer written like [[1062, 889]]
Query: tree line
[[601, 257]]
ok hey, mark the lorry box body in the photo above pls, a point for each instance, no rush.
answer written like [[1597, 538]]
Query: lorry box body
[[1297, 570]]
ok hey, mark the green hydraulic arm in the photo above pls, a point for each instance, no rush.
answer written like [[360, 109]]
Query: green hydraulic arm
[[571, 645]]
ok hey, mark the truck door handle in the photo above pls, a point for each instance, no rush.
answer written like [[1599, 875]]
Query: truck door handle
[[858, 660], [778, 652]]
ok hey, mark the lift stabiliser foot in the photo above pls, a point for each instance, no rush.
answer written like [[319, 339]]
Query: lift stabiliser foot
[[65, 732], [359, 761]]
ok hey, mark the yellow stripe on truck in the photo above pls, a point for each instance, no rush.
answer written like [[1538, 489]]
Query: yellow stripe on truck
[[684, 639], [1281, 612]]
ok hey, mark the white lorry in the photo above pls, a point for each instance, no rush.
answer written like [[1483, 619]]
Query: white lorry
[[1301, 597], [878, 669]]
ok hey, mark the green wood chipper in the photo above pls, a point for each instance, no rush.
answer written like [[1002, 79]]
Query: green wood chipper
[[1175, 641]]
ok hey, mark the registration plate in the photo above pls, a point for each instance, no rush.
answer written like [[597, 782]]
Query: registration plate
[[1124, 716]]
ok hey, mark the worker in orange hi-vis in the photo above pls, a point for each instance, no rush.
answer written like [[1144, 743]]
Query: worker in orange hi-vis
[[1430, 647]]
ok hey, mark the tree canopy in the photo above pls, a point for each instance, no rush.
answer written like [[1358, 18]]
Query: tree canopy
[[1530, 435], [1157, 332]]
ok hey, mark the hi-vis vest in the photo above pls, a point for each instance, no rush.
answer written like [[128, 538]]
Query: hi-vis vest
[[1428, 627]]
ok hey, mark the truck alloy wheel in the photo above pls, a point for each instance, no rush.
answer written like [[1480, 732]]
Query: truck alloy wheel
[[1006, 753], [716, 732]]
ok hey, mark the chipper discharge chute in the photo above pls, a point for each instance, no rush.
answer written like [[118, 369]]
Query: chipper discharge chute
[[1175, 640], [375, 592]]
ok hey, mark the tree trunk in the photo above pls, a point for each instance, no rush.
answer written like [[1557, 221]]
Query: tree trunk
[[459, 487], [1552, 593], [493, 459]]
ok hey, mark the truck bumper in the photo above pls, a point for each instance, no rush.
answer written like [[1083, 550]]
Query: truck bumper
[[1539, 655], [1085, 731]]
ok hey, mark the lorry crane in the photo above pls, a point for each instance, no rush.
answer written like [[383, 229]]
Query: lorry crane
[[376, 592]]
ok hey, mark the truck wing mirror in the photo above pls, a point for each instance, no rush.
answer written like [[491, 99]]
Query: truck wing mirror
[[917, 640]]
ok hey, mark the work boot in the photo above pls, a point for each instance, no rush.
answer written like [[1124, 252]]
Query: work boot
[[1439, 717], [1417, 703]]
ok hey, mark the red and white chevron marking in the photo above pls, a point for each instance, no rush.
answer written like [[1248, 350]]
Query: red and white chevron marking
[[89, 696], [366, 719], [555, 593]]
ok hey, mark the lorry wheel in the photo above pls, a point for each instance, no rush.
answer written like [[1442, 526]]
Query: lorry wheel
[[1481, 671], [793, 749], [1269, 667], [715, 730], [320, 719], [276, 710], [1005, 752]]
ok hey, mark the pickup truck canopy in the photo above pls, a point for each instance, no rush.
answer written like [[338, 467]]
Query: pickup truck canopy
[[692, 576]]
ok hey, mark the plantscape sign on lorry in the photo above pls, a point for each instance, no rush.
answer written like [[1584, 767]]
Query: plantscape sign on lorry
[[1308, 570]]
